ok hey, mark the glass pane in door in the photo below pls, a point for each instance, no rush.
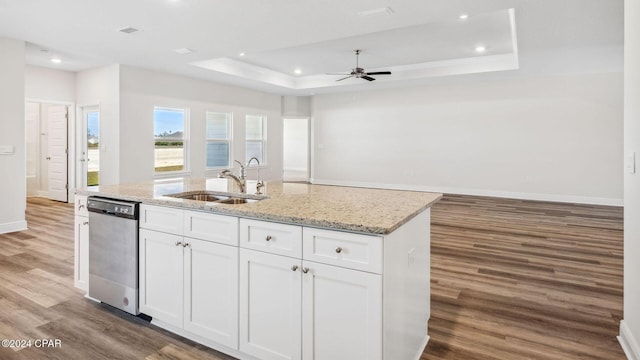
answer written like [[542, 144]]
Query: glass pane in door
[[93, 148]]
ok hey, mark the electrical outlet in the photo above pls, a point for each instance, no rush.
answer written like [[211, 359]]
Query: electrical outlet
[[630, 163], [411, 257]]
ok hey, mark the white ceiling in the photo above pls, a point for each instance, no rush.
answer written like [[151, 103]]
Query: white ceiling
[[421, 39]]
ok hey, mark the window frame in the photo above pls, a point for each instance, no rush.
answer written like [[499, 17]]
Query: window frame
[[263, 140], [185, 142], [229, 140]]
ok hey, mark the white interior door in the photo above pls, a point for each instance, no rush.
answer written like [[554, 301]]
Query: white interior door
[[57, 152]]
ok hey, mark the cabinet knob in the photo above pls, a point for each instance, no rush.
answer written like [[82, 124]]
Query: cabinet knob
[[178, 243], [305, 270], [268, 238], [294, 267], [338, 250]]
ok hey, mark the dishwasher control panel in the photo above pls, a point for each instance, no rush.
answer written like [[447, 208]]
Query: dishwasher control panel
[[113, 207]]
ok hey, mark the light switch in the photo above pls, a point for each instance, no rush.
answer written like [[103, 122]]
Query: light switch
[[7, 149], [630, 163]]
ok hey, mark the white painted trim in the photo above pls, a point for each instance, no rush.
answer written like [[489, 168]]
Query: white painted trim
[[424, 345], [13, 226], [479, 192], [628, 342]]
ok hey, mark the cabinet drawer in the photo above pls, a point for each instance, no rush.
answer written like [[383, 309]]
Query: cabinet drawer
[[353, 251], [211, 227], [162, 219], [81, 205], [271, 237]]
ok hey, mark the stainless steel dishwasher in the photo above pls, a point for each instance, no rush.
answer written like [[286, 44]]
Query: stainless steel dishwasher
[[113, 252]]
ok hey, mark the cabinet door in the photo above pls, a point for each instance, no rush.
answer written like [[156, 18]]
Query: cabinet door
[[81, 252], [161, 266], [342, 313], [211, 291], [270, 306]]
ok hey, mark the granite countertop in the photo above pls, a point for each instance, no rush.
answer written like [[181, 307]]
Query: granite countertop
[[365, 210]]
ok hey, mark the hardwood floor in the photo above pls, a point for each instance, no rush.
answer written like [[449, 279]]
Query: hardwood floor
[[518, 279], [510, 280]]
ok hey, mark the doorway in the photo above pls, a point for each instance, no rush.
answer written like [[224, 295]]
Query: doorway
[[47, 150], [295, 150], [90, 146]]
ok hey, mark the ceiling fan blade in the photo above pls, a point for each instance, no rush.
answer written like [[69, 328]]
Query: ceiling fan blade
[[379, 73], [367, 77], [345, 78]]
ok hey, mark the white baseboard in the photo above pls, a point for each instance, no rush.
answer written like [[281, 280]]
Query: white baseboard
[[479, 192], [13, 226], [628, 342]]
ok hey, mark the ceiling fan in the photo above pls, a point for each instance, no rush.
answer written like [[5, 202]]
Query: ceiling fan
[[359, 72]]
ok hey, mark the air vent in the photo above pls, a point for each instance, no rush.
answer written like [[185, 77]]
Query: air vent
[[183, 51], [376, 12], [128, 30]]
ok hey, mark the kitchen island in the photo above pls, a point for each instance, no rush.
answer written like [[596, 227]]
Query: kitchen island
[[298, 272]]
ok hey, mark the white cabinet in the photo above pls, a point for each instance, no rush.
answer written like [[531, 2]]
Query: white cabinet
[[293, 309], [341, 313], [270, 306], [81, 244], [211, 291], [189, 283], [161, 278], [271, 237]]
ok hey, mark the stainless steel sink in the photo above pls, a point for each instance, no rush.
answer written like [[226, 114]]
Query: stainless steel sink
[[237, 201], [210, 196]]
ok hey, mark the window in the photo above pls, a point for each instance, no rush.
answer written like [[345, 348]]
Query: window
[[255, 137], [218, 134], [169, 128]]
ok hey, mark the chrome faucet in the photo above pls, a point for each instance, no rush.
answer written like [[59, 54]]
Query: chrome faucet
[[241, 180]]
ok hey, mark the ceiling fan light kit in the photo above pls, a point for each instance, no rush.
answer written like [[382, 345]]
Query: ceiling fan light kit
[[360, 73]]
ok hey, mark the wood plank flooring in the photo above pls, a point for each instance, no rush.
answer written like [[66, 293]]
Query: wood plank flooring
[[510, 280], [516, 279]]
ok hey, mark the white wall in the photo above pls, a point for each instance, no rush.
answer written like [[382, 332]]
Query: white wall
[[101, 87], [550, 137], [630, 326], [141, 90], [12, 133], [49, 85]]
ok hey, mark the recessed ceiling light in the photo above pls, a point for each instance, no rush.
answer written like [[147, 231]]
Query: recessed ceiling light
[[183, 51], [297, 71], [56, 60], [241, 54], [128, 30], [375, 12], [463, 16], [481, 48]]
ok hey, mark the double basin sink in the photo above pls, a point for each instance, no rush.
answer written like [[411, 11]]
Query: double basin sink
[[215, 197]]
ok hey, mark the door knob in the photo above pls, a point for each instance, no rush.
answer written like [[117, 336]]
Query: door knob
[[48, 157], [294, 267]]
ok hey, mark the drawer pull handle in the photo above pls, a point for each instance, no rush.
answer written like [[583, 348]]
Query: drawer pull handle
[[85, 223], [305, 270], [186, 244], [268, 238], [294, 267], [80, 206], [178, 243], [338, 250]]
